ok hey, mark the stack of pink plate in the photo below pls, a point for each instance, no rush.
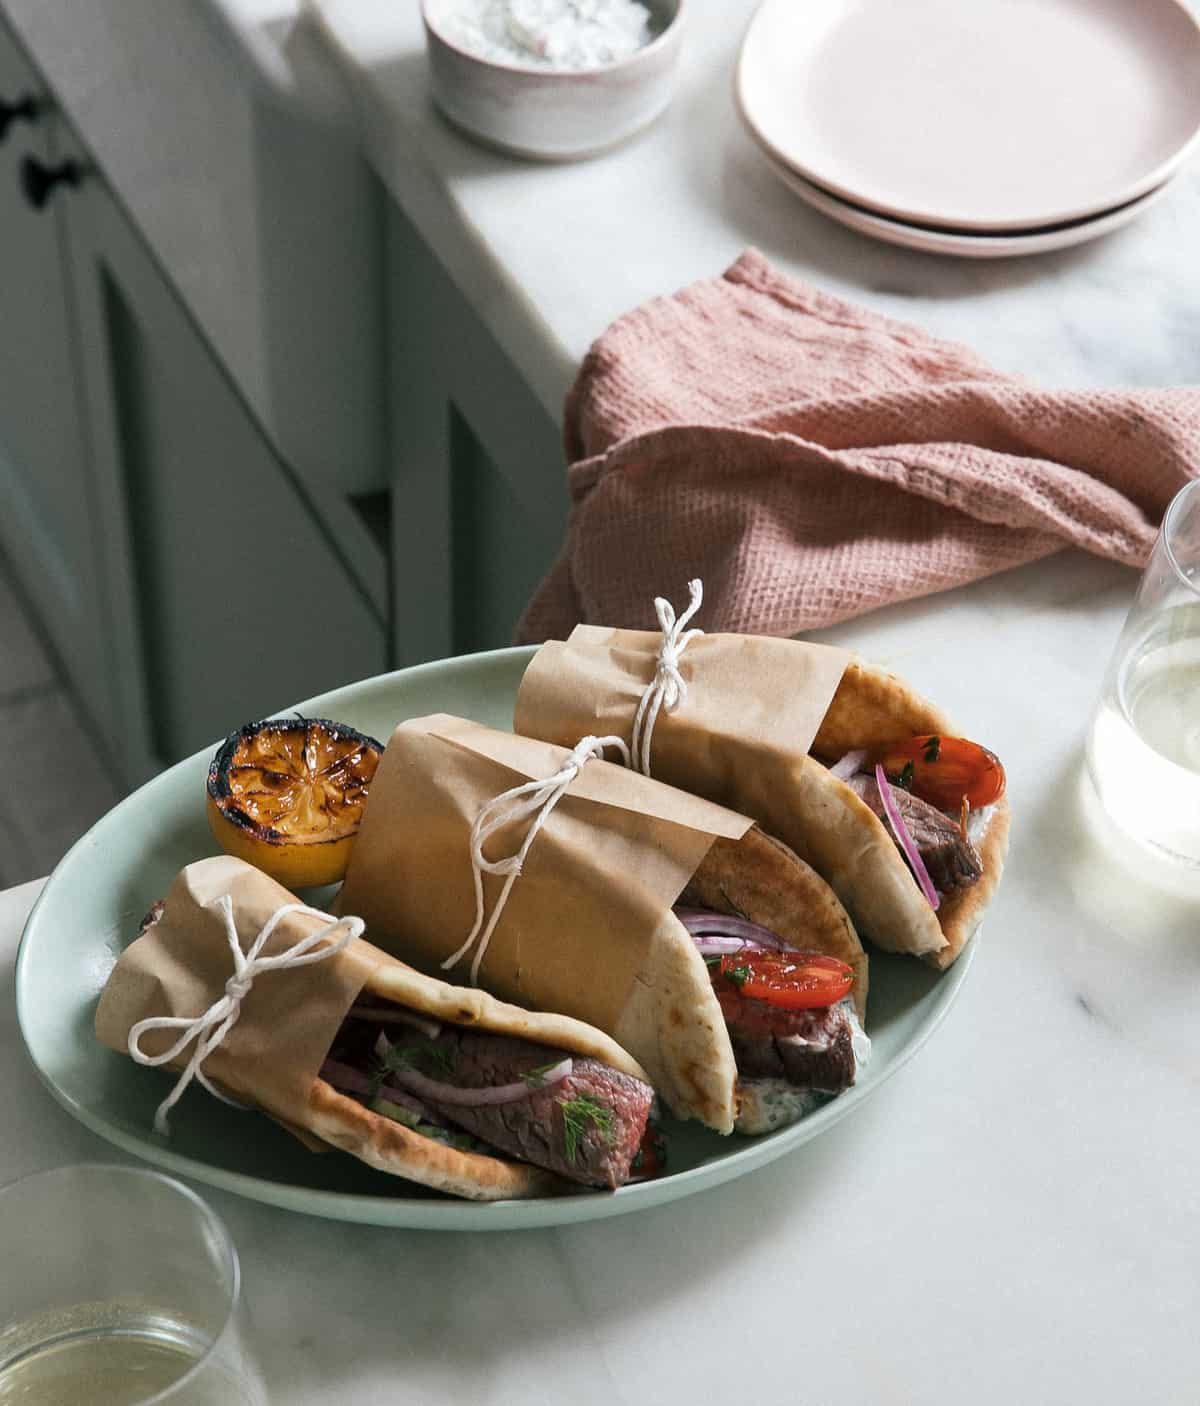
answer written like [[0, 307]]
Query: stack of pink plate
[[983, 128]]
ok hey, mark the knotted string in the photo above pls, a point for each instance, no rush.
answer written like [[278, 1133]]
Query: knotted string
[[532, 798], [210, 1029], [667, 688]]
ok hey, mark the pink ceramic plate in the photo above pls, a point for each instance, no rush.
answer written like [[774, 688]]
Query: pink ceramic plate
[[962, 244], [989, 115]]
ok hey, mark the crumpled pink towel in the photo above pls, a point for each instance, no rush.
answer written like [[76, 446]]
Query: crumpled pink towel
[[812, 460]]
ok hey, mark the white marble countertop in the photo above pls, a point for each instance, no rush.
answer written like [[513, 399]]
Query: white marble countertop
[[1013, 1218], [551, 253]]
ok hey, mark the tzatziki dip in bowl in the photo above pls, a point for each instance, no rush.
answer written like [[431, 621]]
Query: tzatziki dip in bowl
[[552, 80]]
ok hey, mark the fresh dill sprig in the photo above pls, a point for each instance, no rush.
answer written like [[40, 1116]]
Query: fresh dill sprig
[[379, 1073], [536, 1078], [385, 1064], [406, 1057], [577, 1113], [733, 908], [445, 1059]]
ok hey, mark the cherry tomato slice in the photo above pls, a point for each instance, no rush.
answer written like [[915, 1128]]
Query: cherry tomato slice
[[942, 770], [650, 1160], [794, 980]]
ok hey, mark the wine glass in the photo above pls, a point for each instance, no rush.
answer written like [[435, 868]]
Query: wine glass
[[119, 1287], [1143, 749]]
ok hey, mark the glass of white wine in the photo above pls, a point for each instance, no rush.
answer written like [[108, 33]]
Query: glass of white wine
[[1143, 749], [118, 1287]]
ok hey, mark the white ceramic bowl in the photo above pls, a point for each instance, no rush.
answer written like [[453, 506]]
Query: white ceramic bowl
[[553, 115]]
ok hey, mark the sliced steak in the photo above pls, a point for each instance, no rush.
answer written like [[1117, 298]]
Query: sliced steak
[[811, 1049], [588, 1127], [952, 860]]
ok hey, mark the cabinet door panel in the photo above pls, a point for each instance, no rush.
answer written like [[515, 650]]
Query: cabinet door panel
[[46, 503], [231, 599], [479, 498]]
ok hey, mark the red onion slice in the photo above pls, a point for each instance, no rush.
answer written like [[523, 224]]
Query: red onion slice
[[451, 1094], [703, 923], [390, 1015], [341, 1076], [349, 1080], [904, 839], [437, 1092], [850, 765], [725, 946]]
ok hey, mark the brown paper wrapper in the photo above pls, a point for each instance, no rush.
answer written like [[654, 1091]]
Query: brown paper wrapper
[[587, 930], [753, 703], [754, 708], [289, 1018]]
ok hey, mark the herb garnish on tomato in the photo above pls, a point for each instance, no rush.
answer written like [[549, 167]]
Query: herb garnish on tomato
[[942, 770], [791, 980]]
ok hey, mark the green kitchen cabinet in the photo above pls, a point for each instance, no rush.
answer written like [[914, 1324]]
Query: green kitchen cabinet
[[47, 504], [189, 577], [480, 496]]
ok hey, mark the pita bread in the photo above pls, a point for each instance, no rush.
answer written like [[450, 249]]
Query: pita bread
[[178, 966], [673, 1020], [588, 929], [851, 846], [839, 835], [758, 876], [733, 752]]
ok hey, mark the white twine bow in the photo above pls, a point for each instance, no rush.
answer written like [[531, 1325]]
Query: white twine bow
[[667, 689], [210, 1029], [532, 798]]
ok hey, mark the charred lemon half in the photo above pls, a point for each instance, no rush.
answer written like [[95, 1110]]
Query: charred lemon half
[[287, 796]]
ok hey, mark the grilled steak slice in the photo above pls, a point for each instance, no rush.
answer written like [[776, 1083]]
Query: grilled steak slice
[[952, 860], [588, 1127], [811, 1049], [827, 1067]]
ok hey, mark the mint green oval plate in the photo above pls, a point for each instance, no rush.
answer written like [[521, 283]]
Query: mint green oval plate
[[94, 901]]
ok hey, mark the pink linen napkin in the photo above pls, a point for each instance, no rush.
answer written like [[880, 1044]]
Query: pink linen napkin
[[811, 460]]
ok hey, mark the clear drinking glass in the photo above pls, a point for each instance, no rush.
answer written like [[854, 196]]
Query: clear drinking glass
[[1143, 750], [118, 1287]]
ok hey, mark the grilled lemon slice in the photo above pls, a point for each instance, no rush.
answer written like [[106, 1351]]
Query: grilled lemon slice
[[287, 796]]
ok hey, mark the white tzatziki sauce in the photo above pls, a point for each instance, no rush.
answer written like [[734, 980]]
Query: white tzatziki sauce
[[977, 823], [767, 1104], [557, 34]]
